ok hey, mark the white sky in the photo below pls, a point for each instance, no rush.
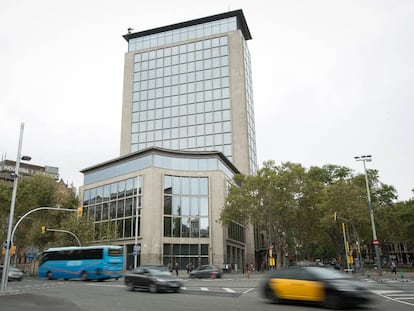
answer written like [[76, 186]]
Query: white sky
[[332, 79]]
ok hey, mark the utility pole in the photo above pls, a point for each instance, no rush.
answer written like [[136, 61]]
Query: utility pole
[[364, 159]]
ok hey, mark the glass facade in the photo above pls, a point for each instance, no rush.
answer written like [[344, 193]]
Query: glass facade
[[186, 208], [114, 208], [160, 161], [251, 128], [181, 98], [183, 34], [183, 254], [186, 215]]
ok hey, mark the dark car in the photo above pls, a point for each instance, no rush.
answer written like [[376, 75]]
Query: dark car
[[207, 271], [152, 279], [15, 274], [321, 285]]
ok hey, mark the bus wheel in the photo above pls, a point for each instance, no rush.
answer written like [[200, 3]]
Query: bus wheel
[[49, 275], [84, 276]]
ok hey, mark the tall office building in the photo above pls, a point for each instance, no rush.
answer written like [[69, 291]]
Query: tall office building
[[187, 128], [188, 86]]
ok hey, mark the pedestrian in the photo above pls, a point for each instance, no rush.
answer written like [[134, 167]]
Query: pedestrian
[[394, 268], [176, 267]]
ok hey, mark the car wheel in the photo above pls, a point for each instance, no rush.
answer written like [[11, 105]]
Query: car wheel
[[153, 288], [130, 286], [49, 275], [178, 290], [84, 276]]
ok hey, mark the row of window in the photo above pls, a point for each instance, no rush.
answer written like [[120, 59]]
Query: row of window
[[186, 205], [166, 161], [185, 126], [180, 102], [179, 75], [113, 191], [186, 227], [185, 249], [173, 118], [181, 49], [114, 209], [192, 60], [179, 185], [124, 229], [186, 82], [183, 144], [184, 34], [192, 97], [171, 141]]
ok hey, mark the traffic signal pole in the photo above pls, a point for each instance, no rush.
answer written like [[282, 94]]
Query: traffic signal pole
[[4, 278]]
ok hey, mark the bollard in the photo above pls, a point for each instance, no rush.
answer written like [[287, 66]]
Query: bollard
[[402, 275], [367, 273]]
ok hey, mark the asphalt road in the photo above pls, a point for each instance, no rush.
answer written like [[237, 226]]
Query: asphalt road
[[234, 292]]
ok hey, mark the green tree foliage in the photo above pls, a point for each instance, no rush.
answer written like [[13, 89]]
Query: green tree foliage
[[43, 191], [295, 206]]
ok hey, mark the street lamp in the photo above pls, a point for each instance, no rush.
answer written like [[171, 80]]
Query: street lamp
[[8, 242], [364, 159]]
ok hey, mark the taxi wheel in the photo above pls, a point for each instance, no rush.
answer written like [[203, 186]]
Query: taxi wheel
[[269, 293], [49, 275], [332, 301]]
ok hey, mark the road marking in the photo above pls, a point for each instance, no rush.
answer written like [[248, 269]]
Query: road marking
[[387, 293], [248, 291], [204, 288], [229, 290]]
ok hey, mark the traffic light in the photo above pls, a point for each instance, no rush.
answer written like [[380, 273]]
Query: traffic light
[[43, 229], [79, 212]]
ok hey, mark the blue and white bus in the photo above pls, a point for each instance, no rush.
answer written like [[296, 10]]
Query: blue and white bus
[[85, 263]]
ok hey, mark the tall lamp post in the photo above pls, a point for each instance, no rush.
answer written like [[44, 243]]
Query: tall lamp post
[[364, 159], [8, 242]]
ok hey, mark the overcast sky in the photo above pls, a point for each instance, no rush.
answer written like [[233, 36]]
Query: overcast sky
[[331, 79]]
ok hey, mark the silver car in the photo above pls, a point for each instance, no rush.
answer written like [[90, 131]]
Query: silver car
[[15, 274]]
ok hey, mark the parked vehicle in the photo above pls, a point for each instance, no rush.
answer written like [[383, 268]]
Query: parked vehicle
[[152, 279], [321, 285], [15, 274], [206, 271]]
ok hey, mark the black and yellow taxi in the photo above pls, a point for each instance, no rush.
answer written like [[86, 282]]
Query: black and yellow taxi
[[314, 284]]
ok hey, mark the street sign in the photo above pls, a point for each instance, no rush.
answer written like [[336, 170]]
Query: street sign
[[375, 242], [134, 253], [30, 257]]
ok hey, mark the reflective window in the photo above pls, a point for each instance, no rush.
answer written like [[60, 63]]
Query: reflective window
[[187, 204]]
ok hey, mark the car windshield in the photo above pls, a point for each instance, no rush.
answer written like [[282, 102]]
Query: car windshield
[[327, 273], [159, 272]]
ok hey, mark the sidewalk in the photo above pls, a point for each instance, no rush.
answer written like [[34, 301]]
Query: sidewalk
[[385, 275]]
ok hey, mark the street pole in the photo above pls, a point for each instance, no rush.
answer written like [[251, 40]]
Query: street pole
[[66, 231], [364, 159], [136, 249], [5, 279], [8, 243]]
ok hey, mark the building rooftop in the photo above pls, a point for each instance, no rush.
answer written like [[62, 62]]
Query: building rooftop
[[241, 24]]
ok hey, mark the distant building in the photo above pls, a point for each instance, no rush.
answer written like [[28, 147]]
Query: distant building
[[187, 129], [8, 168]]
